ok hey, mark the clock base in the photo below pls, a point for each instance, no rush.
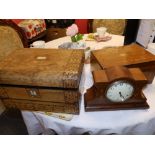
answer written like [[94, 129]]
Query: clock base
[[93, 103], [91, 108]]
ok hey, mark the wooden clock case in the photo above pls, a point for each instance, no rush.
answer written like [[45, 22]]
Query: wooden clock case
[[130, 56], [95, 97]]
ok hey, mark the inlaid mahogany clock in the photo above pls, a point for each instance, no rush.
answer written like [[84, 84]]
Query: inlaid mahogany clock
[[116, 88]]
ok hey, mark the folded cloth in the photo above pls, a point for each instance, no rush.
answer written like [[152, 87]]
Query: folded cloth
[[63, 116]]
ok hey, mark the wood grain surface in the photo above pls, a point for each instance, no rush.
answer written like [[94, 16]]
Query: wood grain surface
[[130, 56], [124, 55], [43, 67], [41, 106], [42, 80], [95, 97]]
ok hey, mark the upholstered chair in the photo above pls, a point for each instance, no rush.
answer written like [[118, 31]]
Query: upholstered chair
[[10, 39], [114, 26]]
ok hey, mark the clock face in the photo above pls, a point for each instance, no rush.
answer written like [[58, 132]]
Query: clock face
[[120, 91]]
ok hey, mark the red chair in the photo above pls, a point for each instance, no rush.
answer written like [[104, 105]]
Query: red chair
[[82, 25]]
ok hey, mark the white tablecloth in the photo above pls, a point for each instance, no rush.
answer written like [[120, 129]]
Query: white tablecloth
[[104, 122], [116, 40]]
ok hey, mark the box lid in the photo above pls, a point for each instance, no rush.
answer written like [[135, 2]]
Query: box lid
[[42, 67], [125, 55]]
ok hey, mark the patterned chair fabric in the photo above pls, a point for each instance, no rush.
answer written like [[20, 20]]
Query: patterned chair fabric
[[114, 26], [32, 27], [9, 41]]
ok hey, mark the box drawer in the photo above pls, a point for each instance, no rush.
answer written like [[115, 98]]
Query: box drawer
[[41, 106], [62, 96]]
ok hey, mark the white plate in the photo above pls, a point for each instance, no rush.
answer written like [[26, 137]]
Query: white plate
[[73, 45]]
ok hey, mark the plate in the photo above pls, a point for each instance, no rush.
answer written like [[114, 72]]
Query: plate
[[105, 38], [72, 45]]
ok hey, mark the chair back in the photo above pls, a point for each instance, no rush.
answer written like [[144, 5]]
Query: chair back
[[114, 26], [10, 39]]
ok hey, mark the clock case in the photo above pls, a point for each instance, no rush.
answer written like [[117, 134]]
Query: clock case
[[130, 56], [95, 97]]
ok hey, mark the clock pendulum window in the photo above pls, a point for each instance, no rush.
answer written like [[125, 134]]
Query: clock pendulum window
[[116, 88]]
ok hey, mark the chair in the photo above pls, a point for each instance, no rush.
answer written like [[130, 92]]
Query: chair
[[114, 26], [11, 38], [35, 29], [82, 25]]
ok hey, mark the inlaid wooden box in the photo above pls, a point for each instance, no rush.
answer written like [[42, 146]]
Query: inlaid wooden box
[[42, 79], [130, 56]]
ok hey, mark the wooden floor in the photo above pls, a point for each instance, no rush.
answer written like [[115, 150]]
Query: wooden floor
[[11, 123]]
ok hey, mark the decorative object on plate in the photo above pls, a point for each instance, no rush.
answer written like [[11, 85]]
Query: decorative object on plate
[[104, 38], [93, 36], [72, 31], [116, 88]]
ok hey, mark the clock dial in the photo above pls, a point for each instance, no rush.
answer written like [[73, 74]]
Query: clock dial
[[119, 91]]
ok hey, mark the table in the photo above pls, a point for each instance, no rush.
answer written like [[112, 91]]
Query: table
[[104, 122], [116, 40]]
